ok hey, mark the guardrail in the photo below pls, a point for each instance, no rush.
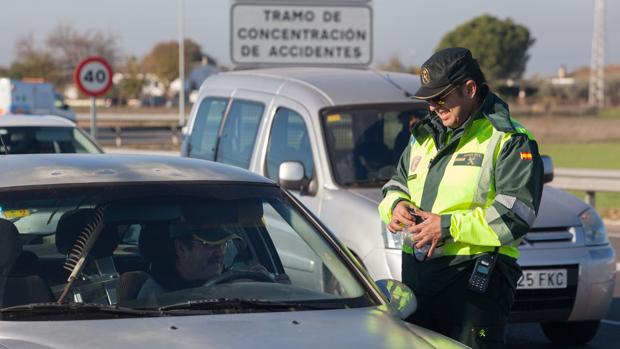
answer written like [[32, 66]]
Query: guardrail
[[588, 180], [127, 125]]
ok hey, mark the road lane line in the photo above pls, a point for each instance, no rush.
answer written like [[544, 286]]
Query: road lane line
[[613, 235], [611, 322], [617, 266]]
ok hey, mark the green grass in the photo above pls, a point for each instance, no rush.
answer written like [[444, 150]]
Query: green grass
[[589, 155], [609, 113]]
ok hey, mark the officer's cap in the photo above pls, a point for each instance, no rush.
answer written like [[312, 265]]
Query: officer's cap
[[446, 68]]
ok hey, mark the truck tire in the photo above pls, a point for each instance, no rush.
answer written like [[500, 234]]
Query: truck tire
[[574, 332]]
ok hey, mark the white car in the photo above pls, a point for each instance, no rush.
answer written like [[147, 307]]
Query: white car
[[36, 134]]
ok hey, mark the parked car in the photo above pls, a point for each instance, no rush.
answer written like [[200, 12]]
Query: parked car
[[329, 136], [82, 234], [30, 134]]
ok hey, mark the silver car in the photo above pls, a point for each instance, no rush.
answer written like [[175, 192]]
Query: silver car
[[37, 134], [333, 137], [82, 235]]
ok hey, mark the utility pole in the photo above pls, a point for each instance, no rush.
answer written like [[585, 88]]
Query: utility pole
[[596, 90], [181, 65]]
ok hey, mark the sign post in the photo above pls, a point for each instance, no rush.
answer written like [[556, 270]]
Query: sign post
[[93, 76]]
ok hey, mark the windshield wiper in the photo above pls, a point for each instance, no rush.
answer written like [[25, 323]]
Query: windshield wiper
[[227, 304], [38, 309]]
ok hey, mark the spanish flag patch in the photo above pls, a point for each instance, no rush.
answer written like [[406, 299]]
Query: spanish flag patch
[[526, 155]]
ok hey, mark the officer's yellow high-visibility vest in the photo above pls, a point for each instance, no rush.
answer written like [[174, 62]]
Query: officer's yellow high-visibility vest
[[467, 188]]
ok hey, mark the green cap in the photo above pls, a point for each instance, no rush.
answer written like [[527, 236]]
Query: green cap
[[446, 68], [213, 235]]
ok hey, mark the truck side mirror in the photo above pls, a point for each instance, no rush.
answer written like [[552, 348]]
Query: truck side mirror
[[291, 176], [547, 168]]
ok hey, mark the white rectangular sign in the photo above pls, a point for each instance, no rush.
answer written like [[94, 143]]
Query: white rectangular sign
[[290, 34]]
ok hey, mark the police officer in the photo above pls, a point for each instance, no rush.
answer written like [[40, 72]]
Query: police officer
[[474, 177]]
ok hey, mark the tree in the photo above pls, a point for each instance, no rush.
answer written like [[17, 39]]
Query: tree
[[163, 60], [34, 63], [71, 46], [133, 81], [499, 46]]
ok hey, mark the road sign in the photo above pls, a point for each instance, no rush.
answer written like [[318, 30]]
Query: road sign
[[272, 34], [93, 76]]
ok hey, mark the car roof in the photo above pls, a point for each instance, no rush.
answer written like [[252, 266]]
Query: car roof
[[24, 120], [339, 86], [59, 169]]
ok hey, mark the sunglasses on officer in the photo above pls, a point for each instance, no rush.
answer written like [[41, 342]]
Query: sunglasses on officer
[[441, 100]]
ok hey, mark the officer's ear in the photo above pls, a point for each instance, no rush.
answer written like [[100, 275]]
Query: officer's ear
[[471, 89]]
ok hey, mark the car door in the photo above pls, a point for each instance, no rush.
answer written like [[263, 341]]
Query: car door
[[291, 138]]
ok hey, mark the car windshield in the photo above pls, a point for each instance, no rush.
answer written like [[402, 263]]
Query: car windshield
[[41, 140], [365, 142], [166, 249]]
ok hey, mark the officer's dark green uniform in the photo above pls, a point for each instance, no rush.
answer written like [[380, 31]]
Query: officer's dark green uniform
[[484, 179]]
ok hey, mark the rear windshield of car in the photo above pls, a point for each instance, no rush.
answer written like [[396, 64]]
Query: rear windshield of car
[[42, 140]]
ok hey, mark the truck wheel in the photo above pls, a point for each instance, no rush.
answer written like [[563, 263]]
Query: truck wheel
[[574, 332]]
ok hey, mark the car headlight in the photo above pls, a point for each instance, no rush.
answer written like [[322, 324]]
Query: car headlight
[[392, 240], [593, 227]]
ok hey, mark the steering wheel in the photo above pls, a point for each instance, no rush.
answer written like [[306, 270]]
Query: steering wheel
[[231, 275]]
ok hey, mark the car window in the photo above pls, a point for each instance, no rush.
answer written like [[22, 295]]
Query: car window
[[152, 245], [240, 127], [41, 140], [206, 126], [288, 141]]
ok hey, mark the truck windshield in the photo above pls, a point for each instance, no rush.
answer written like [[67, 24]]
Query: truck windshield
[[364, 143]]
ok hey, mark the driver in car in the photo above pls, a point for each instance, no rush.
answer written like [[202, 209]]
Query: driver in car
[[195, 256]]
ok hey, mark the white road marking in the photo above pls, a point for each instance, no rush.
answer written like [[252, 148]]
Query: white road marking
[[610, 322], [617, 266], [613, 235]]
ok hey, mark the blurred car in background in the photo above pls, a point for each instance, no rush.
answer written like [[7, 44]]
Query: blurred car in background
[[331, 137], [36, 134], [32, 97], [106, 224]]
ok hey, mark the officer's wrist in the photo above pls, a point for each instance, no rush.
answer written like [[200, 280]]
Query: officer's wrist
[[446, 220]]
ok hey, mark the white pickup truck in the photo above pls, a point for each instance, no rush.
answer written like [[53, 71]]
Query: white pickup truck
[[37, 98]]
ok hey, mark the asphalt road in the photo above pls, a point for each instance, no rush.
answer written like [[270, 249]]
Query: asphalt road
[[608, 336]]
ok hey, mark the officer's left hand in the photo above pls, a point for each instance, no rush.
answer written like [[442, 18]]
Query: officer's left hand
[[427, 232]]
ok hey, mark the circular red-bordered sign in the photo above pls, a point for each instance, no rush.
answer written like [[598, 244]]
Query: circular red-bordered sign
[[93, 76]]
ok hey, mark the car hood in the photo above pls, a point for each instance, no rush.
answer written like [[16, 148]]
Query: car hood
[[557, 207], [348, 328]]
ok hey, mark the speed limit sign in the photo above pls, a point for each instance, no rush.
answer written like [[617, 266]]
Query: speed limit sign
[[93, 76]]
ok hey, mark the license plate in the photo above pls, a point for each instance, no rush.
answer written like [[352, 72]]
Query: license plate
[[543, 279]]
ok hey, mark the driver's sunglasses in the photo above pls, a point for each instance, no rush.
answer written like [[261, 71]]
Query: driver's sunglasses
[[441, 100], [198, 240]]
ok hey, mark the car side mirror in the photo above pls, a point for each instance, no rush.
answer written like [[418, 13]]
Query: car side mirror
[[291, 176], [547, 168], [400, 297]]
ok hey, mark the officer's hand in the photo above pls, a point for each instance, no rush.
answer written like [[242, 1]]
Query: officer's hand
[[401, 217], [427, 232]]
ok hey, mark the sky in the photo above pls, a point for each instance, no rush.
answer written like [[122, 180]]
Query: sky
[[410, 29]]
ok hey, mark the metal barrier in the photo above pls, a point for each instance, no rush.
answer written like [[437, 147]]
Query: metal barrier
[[588, 180]]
